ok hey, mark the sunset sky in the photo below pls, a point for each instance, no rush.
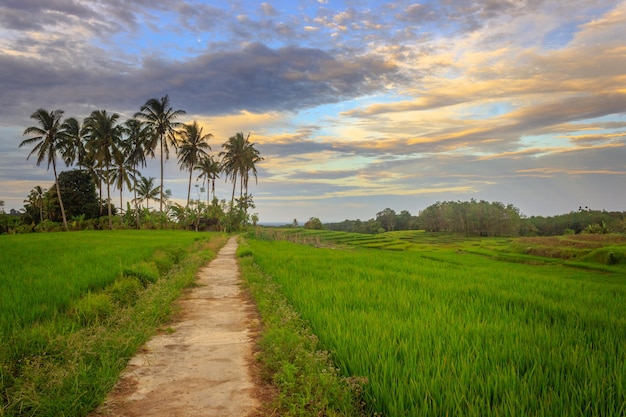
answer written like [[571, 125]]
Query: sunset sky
[[356, 106]]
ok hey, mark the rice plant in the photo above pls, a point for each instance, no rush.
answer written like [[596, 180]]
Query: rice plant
[[459, 333]]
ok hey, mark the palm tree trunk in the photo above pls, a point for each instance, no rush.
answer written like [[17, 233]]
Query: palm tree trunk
[[189, 186], [232, 197], [56, 179], [161, 174], [135, 195], [109, 201]]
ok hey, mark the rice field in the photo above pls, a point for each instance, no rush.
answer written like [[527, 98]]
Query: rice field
[[452, 329], [42, 274]]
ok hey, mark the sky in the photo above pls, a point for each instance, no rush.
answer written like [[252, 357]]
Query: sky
[[356, 106]]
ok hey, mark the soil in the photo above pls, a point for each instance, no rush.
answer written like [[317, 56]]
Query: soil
[[203, 364]]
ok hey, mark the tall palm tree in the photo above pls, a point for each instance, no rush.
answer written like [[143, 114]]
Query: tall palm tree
[[192, 148], [239, 157], [104, 135], [146, 190], [49, 138], [74, 151], [209, 170], [232, 159], [160, 116], [251, 156], [137, 146], [122, 173]]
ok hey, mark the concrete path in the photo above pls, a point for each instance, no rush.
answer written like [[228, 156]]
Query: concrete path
[[202, 367]]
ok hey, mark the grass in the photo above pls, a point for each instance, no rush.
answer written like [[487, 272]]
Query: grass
[[444, 331], [292, 359], [63, 360]]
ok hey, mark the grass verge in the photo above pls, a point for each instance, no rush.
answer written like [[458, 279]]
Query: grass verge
[[307, 382]]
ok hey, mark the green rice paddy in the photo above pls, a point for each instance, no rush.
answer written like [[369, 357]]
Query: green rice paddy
[[449, 326]]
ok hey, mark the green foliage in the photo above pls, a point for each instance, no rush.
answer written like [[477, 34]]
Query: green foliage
[[443, 331], [145, 272], [91, 318], [125, 291], [293, 359], [93, 307], [314, 224]]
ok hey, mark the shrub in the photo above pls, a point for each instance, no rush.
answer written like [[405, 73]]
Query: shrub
[[611, 259]]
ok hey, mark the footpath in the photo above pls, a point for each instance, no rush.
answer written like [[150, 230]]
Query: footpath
[[202, 366]]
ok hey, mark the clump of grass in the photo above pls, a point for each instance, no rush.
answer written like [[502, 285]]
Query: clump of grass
[[292, 359], [93, 307], [146, 272], [125, 291]]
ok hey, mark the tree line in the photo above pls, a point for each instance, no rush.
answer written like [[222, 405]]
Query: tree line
[[109, 153], [482, 218]]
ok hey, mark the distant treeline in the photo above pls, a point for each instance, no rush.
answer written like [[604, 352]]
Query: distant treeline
[[482, 218]]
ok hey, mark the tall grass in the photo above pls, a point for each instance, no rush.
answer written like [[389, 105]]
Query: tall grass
[[63, 360], [461, 334]]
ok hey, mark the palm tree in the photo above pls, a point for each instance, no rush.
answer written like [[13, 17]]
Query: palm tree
[[251, 156], [36, 199], [122, 173], [238, 159], [104, 135], [191, 149], [49, 139], [232, 159], [209, 170], [147, 191], [160, 116], [137, 146], [75, 147]]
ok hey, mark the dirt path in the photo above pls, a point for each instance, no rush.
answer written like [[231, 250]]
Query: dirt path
[[201, 368]]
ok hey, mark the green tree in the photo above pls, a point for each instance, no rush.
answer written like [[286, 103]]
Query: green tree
[[209, 170], [36, 200], [74, 151], [49, 139], [104, 135], [192, 148], [79, 193], [137, 146], [146, 190], [160, 116], [314, 223], [239, 157]]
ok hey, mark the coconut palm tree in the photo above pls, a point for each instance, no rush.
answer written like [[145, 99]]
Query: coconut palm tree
[[251, 157], [49, 139], [232, 159], [137, 145], [36, 199], [74, 151], [192, 148], [146, 190], [239, 157], [160, 116], [209, 170], [103, 137], [122, 173]]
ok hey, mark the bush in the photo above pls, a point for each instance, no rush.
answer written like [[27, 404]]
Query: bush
[[611, 259]]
